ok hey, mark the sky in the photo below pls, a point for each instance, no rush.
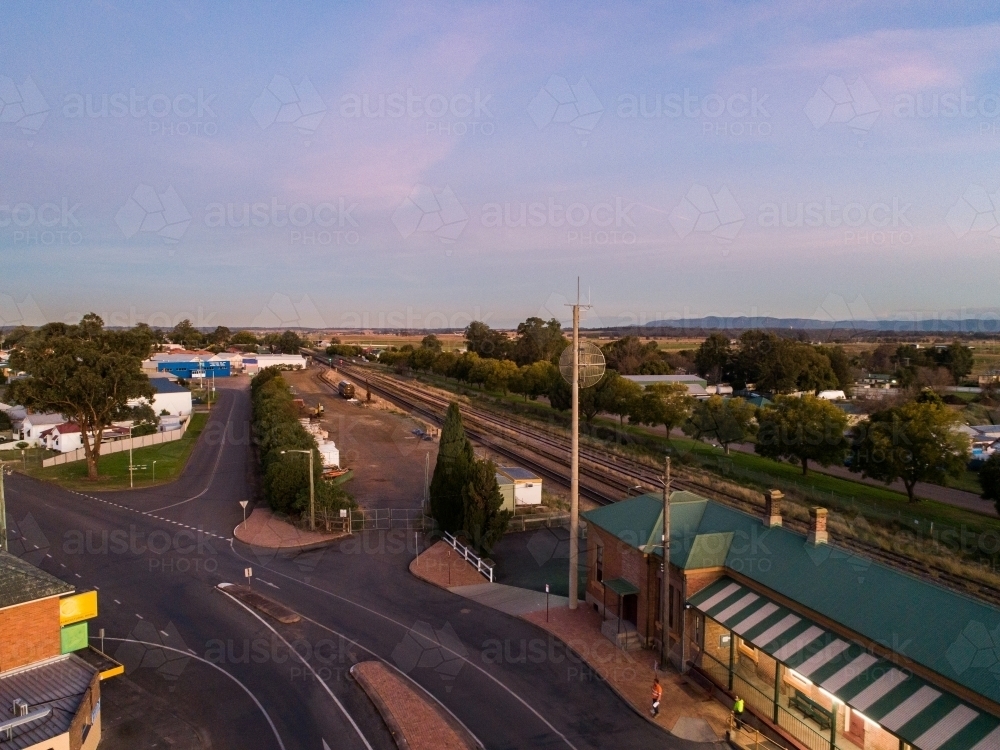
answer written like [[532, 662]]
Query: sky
[[427, 164]]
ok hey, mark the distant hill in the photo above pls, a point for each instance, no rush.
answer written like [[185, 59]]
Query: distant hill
[[741, 323]]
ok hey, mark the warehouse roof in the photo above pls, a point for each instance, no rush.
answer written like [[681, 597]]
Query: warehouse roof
[[881, 603], [163, 385], [22, 582]]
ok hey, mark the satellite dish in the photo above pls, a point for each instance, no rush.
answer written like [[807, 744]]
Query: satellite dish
[[591, 364]]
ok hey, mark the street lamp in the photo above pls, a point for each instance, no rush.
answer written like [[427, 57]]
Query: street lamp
[[312, 489], [3, 509], [154, 471]]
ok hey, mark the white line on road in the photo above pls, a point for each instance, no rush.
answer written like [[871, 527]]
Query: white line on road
[[307, 665], [268, 583], [215, 467], [457, 655], [193, 655]]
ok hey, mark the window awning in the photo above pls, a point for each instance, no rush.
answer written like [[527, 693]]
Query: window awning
[[621, 587], [923, 715]]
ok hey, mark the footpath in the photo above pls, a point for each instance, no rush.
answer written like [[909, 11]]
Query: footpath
[[684, 711]]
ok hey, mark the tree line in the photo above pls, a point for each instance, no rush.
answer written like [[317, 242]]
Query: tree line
[[276, 432]]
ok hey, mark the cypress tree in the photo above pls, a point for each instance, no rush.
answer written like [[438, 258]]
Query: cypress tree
[[485, 523], [451, 473]]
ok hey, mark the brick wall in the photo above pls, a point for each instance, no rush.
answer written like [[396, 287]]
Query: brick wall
[[699, 579], [30, 633]]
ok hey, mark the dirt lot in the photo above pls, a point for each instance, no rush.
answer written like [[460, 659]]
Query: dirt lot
[[377, 444]]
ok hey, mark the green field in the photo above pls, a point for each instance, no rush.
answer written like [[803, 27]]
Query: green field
[[113, 469]]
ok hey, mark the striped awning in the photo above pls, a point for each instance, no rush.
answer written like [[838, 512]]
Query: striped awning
[[911, 708]]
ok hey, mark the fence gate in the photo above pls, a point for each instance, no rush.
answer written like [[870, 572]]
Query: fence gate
[[387, 519]]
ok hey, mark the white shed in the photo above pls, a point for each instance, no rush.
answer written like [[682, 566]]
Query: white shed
[[527, 485]]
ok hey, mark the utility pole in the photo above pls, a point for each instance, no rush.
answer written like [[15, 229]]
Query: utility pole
[[574, 469], [665, 583], [3, 512], [312, 495]]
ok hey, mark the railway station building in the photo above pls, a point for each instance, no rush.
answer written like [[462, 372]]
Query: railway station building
[[829, 649]]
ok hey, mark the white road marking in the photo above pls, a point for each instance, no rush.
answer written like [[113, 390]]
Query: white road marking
[[214, 666]]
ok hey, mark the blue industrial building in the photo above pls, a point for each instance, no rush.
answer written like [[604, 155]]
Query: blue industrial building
[[196, 367]]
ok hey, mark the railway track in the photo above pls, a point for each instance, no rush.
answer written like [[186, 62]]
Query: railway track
[[606, 477]]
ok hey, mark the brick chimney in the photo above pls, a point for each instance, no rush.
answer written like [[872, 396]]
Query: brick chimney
[[772, 508], [817, 526]]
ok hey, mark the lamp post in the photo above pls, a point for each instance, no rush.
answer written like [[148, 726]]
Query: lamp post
[[131, 485], [312, 489], [154, 471], [3, 510]]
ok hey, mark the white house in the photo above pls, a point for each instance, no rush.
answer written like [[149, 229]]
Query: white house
[[33, 425], [63, 437], [168, 397]]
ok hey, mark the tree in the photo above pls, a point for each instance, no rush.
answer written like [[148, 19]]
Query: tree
[[423, 358], [220, 335], [186, 335], [85, 373], [958, 359], [484, 341], [989, 479], [538, 340], [432, 342], [494, 374], [802, 429], [663, 403], [713, 356], [777, 365], [451, 473], [726, 421], [485, 522], [629, 356], [244, 339], [288, 343], [840, 363], [619, 395], [914, 442]]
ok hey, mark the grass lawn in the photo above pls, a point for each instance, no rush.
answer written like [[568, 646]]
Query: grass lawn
[[113, 469]]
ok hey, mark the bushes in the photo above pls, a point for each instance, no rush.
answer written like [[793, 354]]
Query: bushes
[[276, 428]]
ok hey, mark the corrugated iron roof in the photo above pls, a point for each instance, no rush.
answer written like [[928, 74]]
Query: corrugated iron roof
[[879, 602], [59, 684], [925, 716], [22, 582]]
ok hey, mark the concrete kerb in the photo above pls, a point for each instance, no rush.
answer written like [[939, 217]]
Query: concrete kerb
[[296, 547]]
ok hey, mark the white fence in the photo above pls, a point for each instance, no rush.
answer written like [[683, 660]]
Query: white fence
[[483, 566], [117, 446]]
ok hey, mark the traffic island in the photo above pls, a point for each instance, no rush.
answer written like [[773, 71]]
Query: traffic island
[[261, 603], [415, 721], [264, 529]]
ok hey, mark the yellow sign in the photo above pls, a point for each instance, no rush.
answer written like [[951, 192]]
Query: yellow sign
[[77, 607]]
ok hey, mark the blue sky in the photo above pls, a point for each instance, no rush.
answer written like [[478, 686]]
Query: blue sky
[[428, 164]]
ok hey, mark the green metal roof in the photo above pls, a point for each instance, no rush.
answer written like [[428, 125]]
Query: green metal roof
[[621, 587], [881, 603], [911, 708], [22, 582]]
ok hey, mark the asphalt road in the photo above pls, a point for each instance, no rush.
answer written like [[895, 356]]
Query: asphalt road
[[156, 556]]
